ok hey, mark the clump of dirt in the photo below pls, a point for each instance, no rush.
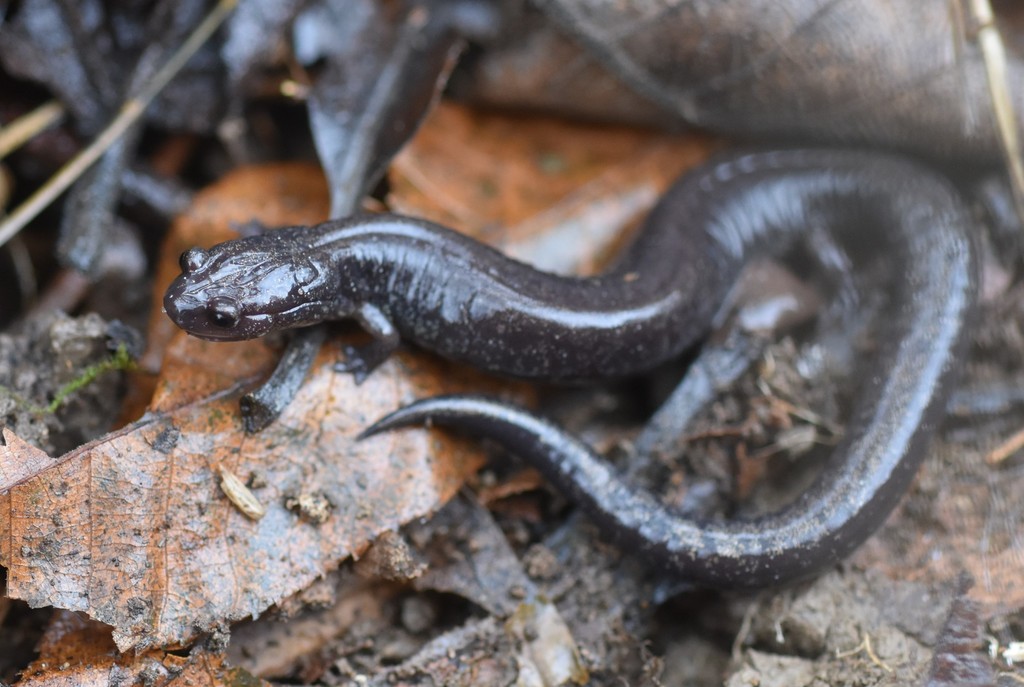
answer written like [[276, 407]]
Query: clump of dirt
[[842, 629], [58, 389]]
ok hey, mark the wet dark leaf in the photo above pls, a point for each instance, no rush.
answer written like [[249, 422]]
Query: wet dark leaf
[[901, 74], [87, 53], [377, 82]]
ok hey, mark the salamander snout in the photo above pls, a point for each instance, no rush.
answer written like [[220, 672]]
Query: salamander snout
[[216, 317], [249, 287]]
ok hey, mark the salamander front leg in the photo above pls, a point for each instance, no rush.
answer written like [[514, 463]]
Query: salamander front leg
[[360, 361]]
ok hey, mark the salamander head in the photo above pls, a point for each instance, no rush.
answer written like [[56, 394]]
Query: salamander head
[[246, 288]]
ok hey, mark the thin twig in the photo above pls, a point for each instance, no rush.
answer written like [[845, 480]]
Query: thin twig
[[1006, 449], [131, 110], [27, 126], [993, 53]]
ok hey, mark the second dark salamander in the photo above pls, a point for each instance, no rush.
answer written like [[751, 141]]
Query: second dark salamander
[[401, 277]]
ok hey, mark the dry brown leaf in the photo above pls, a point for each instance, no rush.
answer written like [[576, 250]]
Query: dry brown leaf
[[134, 530], [77, 652], [556, 194], [32, 461]]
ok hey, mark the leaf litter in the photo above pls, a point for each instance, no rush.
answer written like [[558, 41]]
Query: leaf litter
[[209, 397], [134, 529], [175, 555]]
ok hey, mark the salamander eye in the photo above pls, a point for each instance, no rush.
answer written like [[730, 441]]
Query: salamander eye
[[304, 275], [223, 312], [192, 259]]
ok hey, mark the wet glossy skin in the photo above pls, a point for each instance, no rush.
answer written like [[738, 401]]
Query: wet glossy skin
[[403, 277], [408, 278]]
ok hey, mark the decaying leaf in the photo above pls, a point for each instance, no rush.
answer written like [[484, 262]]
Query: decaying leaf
[[894, 73], [384, 65], [77, 652], [135, 531], [554, 194], [86, 53], [31, 461]]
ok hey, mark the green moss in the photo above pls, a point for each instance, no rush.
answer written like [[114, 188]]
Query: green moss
[[120, 360]]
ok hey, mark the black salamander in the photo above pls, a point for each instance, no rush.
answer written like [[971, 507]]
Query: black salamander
[[403, 278]]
